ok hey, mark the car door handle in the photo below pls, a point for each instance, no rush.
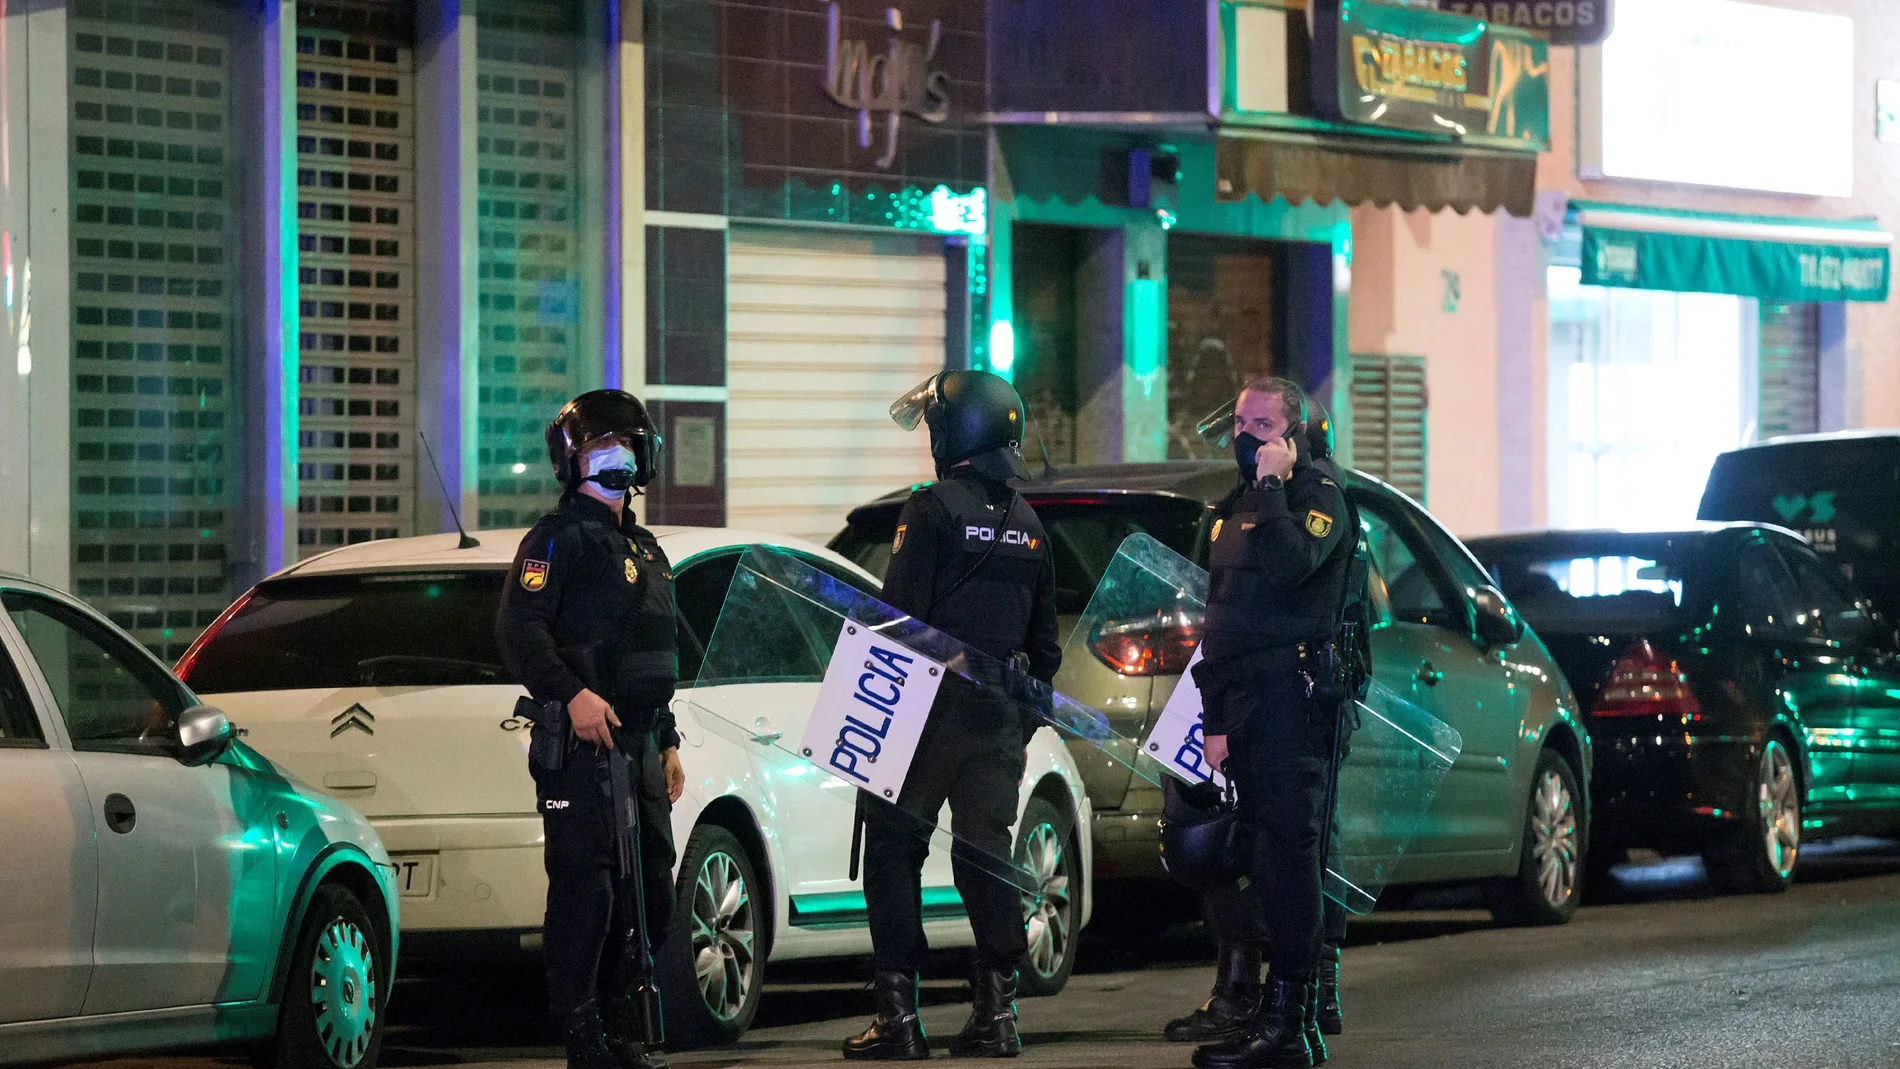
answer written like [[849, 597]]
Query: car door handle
[[121, 815], [1429, 675]]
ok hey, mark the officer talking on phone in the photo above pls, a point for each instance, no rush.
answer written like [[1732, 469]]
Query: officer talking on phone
[[1271, 681], [972, 560], [587, 626]]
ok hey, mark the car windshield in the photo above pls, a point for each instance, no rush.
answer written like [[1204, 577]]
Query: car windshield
[[434, 629], [1588, 588]]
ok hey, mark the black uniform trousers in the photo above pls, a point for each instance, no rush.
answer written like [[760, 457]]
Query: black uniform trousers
[[589, 911], [972, 754], [1234, 909], [1278, 758]]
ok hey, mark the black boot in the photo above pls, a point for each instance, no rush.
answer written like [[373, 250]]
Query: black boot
[[1315, 1042], [626, 1039], [1225, 1015], [898, 1032], [586, 1043], [991, 1030], [1276, 1039], [1331, 1021]]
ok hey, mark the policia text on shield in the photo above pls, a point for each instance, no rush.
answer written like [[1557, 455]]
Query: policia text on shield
[[587, 624]]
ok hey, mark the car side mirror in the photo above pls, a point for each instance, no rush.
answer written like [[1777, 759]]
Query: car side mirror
[[1497, 623], [204, 734]]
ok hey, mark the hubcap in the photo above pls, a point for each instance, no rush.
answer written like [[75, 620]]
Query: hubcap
[[1780, 804], [1554, 838], [343, 992], [722, 936], [1046, 908]]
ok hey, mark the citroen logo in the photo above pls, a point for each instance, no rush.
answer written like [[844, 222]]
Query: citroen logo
[[354, 717]]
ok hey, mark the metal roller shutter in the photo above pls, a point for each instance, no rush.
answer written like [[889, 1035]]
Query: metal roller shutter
[[824, 331], [356, 230], [1790, 369], [1388, 419]]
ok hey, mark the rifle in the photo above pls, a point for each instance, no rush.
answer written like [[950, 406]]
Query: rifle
[[635, 949]]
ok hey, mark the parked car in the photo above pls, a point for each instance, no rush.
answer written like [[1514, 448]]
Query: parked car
[[1743, 698], [1512, 813], [162, 883], [1841, 491], [373, 671]]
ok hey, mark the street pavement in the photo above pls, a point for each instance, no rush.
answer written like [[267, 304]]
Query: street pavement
[[1670, 977]]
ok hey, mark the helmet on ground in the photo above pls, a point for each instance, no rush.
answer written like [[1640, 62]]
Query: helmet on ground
[[595, 415], [972, 415]]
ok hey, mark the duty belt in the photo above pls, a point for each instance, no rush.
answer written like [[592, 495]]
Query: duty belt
[[1230, 670]]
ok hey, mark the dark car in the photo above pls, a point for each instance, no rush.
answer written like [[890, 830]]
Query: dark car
[[1742, 698], [1512, 811], [1842, 491]]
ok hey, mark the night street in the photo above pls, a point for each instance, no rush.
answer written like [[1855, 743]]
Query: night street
[[1675, 977]]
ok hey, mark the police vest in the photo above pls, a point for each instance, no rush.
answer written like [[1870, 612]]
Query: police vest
[[1002, 559], [1245, 612]]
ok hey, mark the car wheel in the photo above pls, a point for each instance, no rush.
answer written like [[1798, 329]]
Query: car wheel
[[1045, 851], [712, 968], [332, 1015], [1546, 886], [1759, 855]]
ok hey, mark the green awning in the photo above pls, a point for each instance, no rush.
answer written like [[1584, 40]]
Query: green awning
[[1776, 258]]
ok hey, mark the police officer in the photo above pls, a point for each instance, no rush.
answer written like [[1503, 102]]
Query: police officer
[[1278, 564], [970, 559], [1232, 907], [587, 620]]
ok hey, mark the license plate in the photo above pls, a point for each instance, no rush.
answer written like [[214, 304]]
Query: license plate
[[415, 874]]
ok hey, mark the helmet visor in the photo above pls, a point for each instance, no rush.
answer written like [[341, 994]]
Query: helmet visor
[[908, 411], [1217, 430]]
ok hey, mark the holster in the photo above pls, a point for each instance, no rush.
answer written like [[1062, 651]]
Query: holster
[[550, 738]]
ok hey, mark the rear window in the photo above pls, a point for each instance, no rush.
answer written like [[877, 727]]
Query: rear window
[[1626, 587], [1840, 495], [1083, 532], [435, 629]]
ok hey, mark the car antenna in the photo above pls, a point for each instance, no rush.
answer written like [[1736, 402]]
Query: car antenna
[[466, 542], [1048, 469]]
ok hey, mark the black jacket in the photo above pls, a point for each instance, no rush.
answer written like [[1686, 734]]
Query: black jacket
[[1277, 565], [589, 604], [1009, 604]]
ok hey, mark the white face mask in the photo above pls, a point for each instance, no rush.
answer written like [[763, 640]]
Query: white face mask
[[617, 457]]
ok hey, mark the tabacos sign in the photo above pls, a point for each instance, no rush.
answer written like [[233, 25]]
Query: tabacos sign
[[884, 80], [1565, 22]]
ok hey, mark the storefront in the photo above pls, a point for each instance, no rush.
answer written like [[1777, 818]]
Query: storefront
[[1171, 205], [1678, 332], [815, 211]]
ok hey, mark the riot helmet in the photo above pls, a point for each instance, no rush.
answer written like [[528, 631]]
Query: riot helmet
[[597, 414], [1217, 428], [1319, 431], [972, 415], [1200, 831]]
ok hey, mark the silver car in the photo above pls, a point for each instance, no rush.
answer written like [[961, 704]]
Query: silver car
[[161, 883]]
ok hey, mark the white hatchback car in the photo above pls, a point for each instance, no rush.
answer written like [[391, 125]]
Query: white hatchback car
[[372, 671]]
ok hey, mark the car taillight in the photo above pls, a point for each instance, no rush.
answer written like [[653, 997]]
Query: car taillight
[[183, 668], [1643, 682], [1154, 646]]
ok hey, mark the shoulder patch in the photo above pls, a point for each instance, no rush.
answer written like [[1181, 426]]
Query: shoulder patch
[[1214, 536], [898, 542], [1318, 524], [534, 575]]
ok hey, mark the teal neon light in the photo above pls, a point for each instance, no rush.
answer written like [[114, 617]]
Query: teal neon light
[[1002, 347]]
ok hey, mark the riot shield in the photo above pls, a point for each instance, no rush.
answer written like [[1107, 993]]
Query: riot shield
[[832, 691], [1399, 753]]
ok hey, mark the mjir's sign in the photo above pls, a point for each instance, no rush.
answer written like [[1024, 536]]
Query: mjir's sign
[[896, 78], [870, 711]]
